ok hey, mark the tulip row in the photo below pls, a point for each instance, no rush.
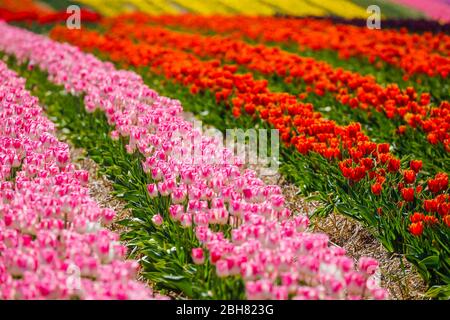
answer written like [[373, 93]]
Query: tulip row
[[363, 174], [383, 72], [240, 223], [348, 88], [17, 6], [295, 120], [413, 53], [345, 8], [411, 25], [52, 244], [298, 123], [45, 17]]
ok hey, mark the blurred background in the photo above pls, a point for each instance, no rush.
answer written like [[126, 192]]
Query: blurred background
[[438, 10]]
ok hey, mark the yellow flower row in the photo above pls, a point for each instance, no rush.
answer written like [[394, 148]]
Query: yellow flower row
[[202, 7], [344, 8], [251, 7], [297, 8]]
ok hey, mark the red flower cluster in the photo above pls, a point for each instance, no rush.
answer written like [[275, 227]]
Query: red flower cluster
[[414, 53], [439, 205], [348, 87], [439, 183], [44, 17], [407, 194], [298, 123], [419, 220]]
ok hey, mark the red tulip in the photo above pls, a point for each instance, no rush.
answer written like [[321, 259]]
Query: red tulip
[[393, 165], [415, 165], [431, 220], [430, 205], [408, 194], [409, 176], [416, 229], [416, 217], [383, 148], [447, 220], [443, 209], [376, 189]]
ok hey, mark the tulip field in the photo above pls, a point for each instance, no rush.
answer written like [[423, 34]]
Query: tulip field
[[359, 208]]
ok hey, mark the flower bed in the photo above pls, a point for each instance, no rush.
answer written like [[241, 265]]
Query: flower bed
[[45, 17], [413, 53], [357, 173], [348, 88], [52, 243], [241, 223]]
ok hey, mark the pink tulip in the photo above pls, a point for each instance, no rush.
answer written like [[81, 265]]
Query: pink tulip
[[222, 269], [197, 256], [152, 190], [186, 220], [47, 219], [368, 265], [157, 219]]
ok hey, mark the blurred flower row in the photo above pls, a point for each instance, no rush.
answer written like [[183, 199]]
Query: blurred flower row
[[414, 53]]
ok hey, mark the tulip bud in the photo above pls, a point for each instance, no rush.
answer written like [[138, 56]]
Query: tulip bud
[[157, 219], [152, 190]]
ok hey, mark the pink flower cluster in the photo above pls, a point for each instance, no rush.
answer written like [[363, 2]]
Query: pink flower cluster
[[269, 247], [436, 9], [52, 244]]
